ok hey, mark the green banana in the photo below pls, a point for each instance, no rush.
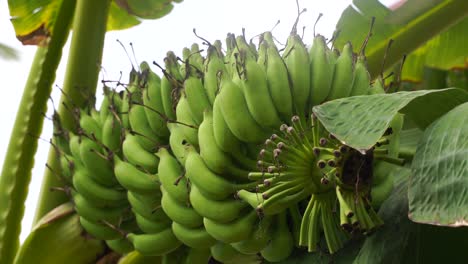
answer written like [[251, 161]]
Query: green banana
[[297, 62], [112, 133], [180, 212], [90, 126], [235, 231], [154, 105], [151, 226], [321, 71], [215, 159], [225, 139], [96, 193], [230, 57], [178, 142], [310, 228], [257, 96], [171, 84], [187, 255], [111, 104], [173, 66], [236, 114], [214, 70], [223, 211], [295, 216], [196, 60], [148, 206], [334, 235], [378, 87], [240, 50], [172, 178], [244, 47], [185, 68], [343, 74], [104, 109], [120, 245], [282, 242], [100, 231], [95, 213], [138, 121], [225, 253], [278, 83], [198, 256], [67, 167], [126, 99], [210, 184], [177, 256], [157, 244], [361, 82], [136, 257], [134, 179], [396, 126], [74, 145], [382, 181], [138, 155], [186, 121], [273, 197], [219, 46], [193, 237], [381, 191], [267, 37], [197, 99], [167, 97], [97, 162], [262, 54], [259, 238]]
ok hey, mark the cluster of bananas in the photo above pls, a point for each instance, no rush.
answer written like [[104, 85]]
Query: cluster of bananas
[[87, 169], [222, 157]]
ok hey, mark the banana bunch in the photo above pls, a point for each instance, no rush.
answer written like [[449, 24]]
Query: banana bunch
[[87, 168], [157, 188], [137, 170], [223, 158], [259, 147]]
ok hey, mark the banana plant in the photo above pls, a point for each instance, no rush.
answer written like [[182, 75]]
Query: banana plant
[[429, 194]]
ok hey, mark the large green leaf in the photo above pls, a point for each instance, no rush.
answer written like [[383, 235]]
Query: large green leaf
[[120, 19], [409, 26], [360, 121], [388, 244], [59, 238], [439, 182], [445, 51], [34, 20], [147, 9]]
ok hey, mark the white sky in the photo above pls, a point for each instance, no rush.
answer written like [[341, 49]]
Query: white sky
[[213, 19]]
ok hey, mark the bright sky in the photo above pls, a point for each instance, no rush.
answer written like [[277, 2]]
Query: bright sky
[[213, 19]]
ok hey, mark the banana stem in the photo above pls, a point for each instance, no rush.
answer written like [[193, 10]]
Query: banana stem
[[19, 160], [79, 87]]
